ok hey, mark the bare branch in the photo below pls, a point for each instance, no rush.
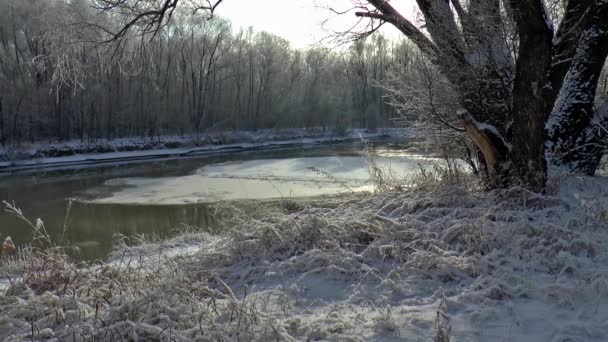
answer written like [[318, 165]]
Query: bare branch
[[391, 15], [372, 15], [148, 15]]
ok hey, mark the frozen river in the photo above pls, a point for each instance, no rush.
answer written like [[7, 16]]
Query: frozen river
[[93, 204]]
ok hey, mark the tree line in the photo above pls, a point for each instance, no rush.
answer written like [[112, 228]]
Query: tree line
[[58, 82]]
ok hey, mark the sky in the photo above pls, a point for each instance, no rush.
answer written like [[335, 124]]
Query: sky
[[299, 21]]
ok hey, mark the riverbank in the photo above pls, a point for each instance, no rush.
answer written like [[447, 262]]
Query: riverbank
[[73, 154], [483, 266]]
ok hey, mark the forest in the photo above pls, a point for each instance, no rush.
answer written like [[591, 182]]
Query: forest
[[60, 82]]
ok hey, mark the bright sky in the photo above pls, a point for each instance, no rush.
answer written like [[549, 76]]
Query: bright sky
[[299, 21]]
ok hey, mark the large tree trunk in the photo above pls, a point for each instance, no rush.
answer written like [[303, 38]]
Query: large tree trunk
[[575, 134], [529, 105], [565, 43]]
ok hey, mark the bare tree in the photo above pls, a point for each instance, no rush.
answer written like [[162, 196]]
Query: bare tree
[[506, 97]]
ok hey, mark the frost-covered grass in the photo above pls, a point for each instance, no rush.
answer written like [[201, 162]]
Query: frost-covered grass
[[440, 263]]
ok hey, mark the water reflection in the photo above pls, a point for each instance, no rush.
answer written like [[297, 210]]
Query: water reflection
[[92, 221], [91, 227]]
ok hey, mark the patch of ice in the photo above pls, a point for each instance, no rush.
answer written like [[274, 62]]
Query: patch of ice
[[258, 179]]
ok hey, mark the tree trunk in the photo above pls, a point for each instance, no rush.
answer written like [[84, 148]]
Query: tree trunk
[[575, 134], [529, 104]]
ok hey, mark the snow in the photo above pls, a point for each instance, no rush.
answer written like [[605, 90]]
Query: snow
[[487, 127], [506, 265], [258, 179], [547, 17], [227, 142], [482, 126]]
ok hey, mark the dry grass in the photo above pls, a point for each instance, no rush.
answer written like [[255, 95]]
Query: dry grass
[[443, 330], [252, 280], [151, 296], [145, 292], [432, 174]]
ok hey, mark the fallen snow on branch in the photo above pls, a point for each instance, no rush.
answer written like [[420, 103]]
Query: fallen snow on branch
[[500, 266]]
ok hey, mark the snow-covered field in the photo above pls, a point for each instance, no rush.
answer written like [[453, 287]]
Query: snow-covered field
[[486, 266], [76, 153]]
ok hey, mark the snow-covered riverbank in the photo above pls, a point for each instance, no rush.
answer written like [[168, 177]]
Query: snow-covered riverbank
[[125, 150], [499, 266]]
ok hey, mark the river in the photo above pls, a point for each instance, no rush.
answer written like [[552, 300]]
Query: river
[[86, 207]]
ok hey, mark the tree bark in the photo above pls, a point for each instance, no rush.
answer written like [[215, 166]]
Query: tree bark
[[576, 16], [529, 104], [576, 136]]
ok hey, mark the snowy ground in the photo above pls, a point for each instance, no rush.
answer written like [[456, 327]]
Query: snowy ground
[[488, 266], [74, 153]]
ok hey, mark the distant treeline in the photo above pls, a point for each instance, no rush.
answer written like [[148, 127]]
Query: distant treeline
[[58, 83]]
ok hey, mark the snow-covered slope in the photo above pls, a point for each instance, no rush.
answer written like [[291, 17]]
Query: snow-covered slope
[[488, 266]]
